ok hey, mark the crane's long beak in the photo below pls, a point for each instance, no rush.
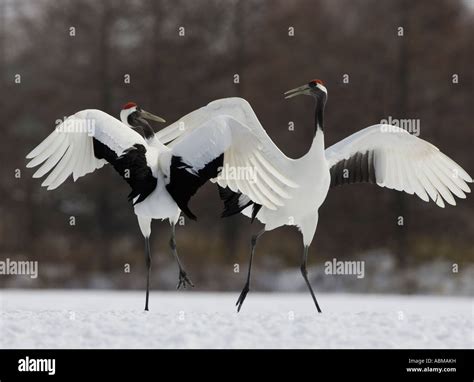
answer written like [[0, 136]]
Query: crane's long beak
[[302, 90], [151, 117]]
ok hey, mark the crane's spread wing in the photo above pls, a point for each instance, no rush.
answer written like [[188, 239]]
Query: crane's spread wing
[[235, 107], [86, 141], [242, 159], [391, 157]]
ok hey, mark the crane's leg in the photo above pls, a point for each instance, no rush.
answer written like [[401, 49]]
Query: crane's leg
[[184, 281], [246, 288], [145, 228], [304, 272], [148, 265]]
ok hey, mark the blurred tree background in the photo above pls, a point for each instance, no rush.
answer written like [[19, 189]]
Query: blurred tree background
[[58, 57]]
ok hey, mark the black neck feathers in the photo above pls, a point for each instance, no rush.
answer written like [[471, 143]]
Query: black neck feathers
[[141, 125], [319, 111]]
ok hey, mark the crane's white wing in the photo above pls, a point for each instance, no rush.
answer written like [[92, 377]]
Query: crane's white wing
[[86, 141], [235, 107], [391, 157], [242, 160]]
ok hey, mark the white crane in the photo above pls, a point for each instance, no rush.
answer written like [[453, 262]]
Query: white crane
[[289, 191], [89, 139]]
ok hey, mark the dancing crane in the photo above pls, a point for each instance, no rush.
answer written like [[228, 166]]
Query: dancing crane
[[160, 184], [288, 191]]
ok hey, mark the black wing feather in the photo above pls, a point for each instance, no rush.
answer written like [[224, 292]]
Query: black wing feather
[[231, 203], [184, 183], [132, 166], [360, 166]]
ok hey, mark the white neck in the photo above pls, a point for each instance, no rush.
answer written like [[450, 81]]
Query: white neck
[[155, 142], [316, 152]]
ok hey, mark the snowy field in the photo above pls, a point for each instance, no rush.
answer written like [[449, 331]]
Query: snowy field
[[107, 319]]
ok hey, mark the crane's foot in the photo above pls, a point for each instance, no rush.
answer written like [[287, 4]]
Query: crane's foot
[[242, 296], [184, 280]]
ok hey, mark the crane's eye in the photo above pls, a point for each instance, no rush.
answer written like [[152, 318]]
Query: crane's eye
[[312, 84]]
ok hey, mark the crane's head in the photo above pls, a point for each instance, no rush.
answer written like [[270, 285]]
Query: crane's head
[[313, 88], [131, 114]]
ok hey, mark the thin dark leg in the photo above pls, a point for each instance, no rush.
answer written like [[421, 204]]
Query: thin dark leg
[[304, 272], [184, 281], [148, 265], [246, 288]]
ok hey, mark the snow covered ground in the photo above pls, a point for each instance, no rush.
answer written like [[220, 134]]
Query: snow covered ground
[[115, 319]]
